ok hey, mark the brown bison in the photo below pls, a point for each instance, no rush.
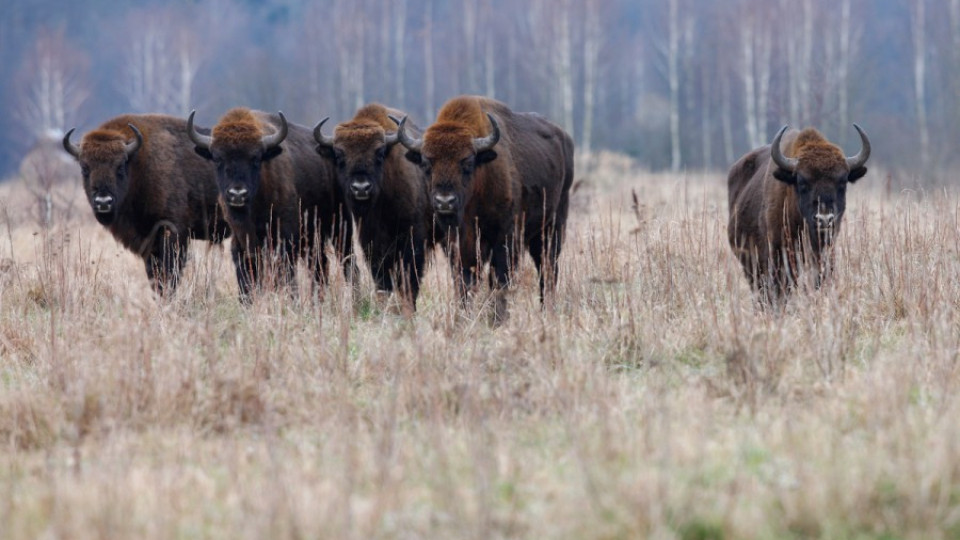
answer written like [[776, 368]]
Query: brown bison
[[385, 194], [150, 190], [280, 198], [498, 182], [786, 206]]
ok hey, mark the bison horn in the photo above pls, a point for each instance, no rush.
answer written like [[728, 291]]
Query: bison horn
[[785, 163], [133, 146], [860, 159], [71, 148], [199, 139], [318, 135], [415, 145], [269, 141], [481, 144]]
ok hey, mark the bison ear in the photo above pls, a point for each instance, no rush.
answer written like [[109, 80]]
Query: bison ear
[[272, 153], [787, 177], [486, 156], [413, 157], [203, 152], [325, 151], [856, 174]]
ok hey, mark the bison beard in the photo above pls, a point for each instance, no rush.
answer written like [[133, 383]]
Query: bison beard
[[786, 208], [148, 188], [499, 182]]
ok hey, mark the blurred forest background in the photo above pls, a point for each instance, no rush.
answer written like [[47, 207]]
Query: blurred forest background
[[678, 84]]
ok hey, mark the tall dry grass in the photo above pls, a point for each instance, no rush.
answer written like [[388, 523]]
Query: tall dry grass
[[654, 401]]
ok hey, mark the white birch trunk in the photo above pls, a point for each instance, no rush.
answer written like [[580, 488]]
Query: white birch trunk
[[673, 80], [428, 76], [920, 77], [591, 56], [749, 84], [399, 68]]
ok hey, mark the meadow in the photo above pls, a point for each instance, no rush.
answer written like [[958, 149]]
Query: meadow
[[652, 400]]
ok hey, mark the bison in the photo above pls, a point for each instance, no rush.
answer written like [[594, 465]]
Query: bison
[[498, 182], [786, 207], [386, 195], [150, 190], [280, 198]]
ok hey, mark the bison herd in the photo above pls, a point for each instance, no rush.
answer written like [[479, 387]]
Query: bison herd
[[483, 183]]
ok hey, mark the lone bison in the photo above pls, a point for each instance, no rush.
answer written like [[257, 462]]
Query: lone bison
[[496, 189], [786, 207], [386, 195], [150, 190], [280, 198]]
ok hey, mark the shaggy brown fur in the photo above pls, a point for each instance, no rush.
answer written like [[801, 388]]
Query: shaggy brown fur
[[393, 215], [295, 205], [511, 197], [164, 194], [772, 229]]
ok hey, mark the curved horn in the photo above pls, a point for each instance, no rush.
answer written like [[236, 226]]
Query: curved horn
[[857, 161], [392, 138], [411, 144], [135, 145], [318, 135], [481, 144], [785, 163], [71, 148], [269, 141], [203, 141]]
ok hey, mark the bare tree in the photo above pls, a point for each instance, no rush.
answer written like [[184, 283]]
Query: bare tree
[[160, 65], [428, 65], [52, 85]]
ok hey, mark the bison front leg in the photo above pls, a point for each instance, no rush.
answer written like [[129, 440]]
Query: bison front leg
[[499, 280], [248, 273], [165, 261], [407, 274]]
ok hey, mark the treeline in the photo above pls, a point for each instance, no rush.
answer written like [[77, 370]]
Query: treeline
[[675, 83]]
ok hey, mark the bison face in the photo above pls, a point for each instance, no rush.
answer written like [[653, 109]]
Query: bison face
[[819, 176], [104, 159], [238, 173], [238, 157], [449, 156], [359, 153]]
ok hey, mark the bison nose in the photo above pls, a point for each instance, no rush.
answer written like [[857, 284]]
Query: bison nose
[[444, 204], [237, 196], [361, 190], [825, 220], [103, 203]]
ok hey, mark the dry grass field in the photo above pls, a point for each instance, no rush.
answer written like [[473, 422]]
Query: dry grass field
[[654, 401]]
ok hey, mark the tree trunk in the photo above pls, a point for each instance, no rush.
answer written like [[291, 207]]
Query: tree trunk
[[920, 77], [673, 80], [591, 56], [428, 76], [399, 68]]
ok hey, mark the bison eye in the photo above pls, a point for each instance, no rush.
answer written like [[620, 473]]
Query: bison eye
[[84, 170]]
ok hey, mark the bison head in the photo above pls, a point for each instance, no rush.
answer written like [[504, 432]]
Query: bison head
[[238, 148], [449, 156], [819, 174], [104, 157], [359, 150]]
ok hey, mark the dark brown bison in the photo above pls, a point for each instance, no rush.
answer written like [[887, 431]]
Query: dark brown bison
[[280, 198], [385, 193], [150, 190], [498, 182], [786, 206]]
